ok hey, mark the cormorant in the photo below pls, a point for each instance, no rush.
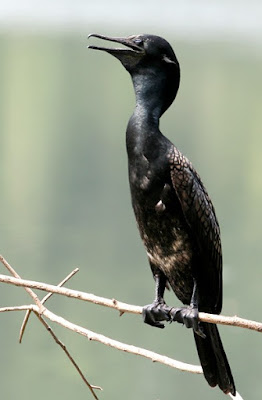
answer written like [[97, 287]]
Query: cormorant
[[174, 214]]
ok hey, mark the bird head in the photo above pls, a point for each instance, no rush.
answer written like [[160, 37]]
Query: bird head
[[140, 51], [152, 64]]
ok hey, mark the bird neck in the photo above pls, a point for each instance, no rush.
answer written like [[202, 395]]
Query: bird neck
[[150, 95], [143, 126], [155, 90]]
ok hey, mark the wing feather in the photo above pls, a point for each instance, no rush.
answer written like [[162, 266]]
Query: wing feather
[[200, 216]]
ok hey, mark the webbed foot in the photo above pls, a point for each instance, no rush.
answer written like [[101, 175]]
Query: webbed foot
[[189, 317], [156, 312]]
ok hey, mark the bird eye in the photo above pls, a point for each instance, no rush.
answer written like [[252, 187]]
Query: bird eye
[[138, 41]]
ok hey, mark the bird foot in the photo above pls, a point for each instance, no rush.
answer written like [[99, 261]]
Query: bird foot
[[189, 317], [156, 312]]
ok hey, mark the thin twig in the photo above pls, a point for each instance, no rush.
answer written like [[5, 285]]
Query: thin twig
[[117, 305], [63, 347], [29, 291], [39, 311], [66, 279], [23, 326], [47, 296], [124, 307], [15, 274], [155, 357], [29, 307]]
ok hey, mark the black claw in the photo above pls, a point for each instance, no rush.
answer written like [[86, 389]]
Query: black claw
[[156, 312], [189, 317], [151, 321], [200, 332]]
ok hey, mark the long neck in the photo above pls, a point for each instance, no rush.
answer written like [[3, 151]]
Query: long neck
[[149, 97], [154, 91]]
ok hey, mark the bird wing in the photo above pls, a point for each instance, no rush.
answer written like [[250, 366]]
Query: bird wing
[[200, 216]]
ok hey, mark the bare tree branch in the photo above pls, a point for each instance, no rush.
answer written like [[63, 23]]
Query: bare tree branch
[[117, 305], [15, 274], [27, 315], [109, 342], [63, 347], [155, 357], [66, 279], [124, 307], [39, 312], [29, 307]]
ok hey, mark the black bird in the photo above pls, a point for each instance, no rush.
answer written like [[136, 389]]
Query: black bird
[[174, 214]]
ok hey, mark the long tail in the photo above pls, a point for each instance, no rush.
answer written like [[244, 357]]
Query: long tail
[[214, 360]]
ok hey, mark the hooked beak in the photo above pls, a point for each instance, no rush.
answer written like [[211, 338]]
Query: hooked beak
[[132, 48]]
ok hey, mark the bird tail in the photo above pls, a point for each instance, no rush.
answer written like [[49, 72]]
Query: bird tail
[[213, 359]]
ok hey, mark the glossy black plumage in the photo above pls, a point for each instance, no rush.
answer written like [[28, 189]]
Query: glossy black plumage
[[174, 213]]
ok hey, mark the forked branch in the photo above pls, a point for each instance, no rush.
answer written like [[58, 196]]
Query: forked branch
[[41, 311]]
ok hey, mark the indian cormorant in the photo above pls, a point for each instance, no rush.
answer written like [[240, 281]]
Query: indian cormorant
[[174, 214]]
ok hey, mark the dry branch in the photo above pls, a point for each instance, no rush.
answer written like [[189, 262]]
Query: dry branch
[[63, 347], [124, 307], [41, 311], [155, 357], [27, 315]]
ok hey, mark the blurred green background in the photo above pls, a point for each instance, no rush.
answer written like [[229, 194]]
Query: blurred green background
[[65, 197]]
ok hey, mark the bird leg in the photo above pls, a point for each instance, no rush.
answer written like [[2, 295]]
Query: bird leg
[[158, 310], [189, 315]]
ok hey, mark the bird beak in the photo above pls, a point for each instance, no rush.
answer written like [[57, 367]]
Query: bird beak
[[119, 52]]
